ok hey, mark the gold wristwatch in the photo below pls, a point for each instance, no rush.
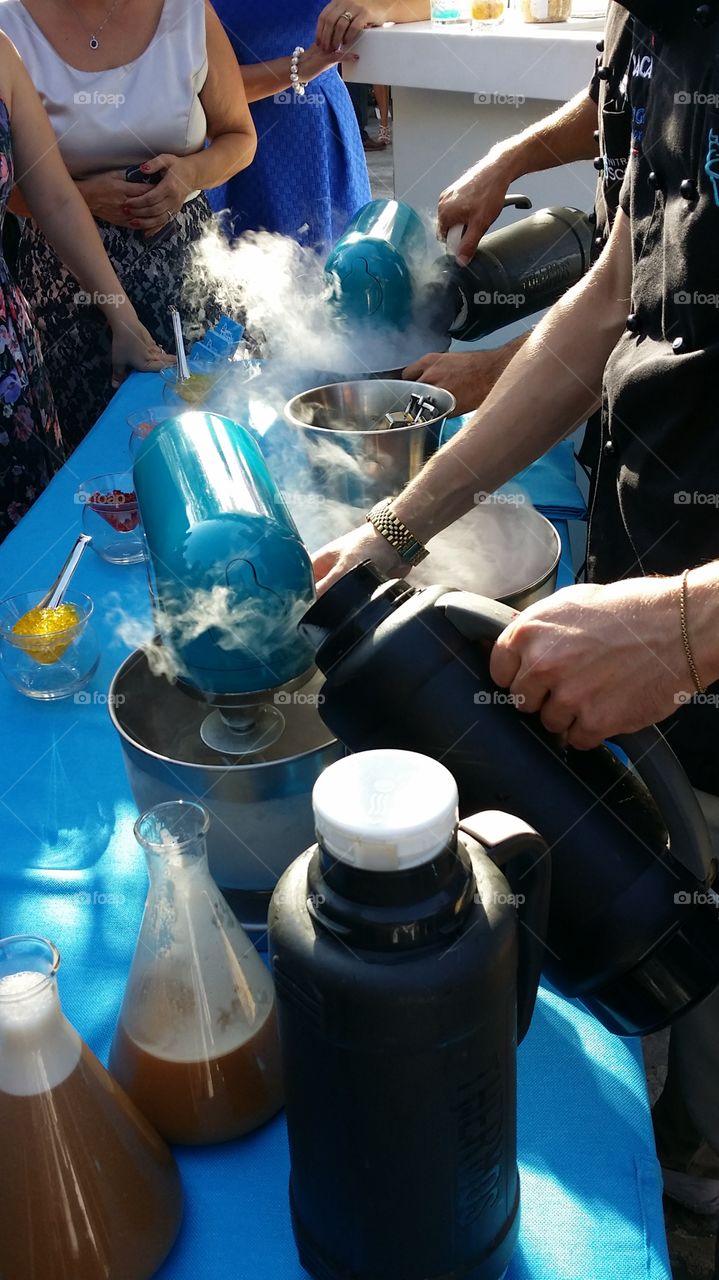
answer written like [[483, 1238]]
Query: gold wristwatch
[[408, 548]]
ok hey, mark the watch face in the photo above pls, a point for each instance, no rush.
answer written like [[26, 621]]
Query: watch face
[[408, 548]]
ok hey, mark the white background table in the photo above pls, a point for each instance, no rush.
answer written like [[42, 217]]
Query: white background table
[[457, 92]]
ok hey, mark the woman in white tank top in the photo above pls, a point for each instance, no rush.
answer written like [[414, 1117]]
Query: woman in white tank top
[[138, 85]]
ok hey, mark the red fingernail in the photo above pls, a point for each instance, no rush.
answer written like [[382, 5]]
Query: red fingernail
[[145, 166]]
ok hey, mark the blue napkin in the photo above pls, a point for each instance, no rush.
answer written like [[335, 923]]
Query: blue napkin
[[550, 482]]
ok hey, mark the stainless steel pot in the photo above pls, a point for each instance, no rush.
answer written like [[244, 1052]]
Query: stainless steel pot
[[546, 583], [505, 550], [260, 802], [355, 460]]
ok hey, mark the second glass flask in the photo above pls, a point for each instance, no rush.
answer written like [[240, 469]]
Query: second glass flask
[[196, 1043]]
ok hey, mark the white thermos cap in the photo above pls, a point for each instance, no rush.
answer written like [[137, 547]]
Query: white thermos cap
[[385, 810]]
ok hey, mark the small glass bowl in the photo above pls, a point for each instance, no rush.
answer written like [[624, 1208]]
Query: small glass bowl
[[142, 425], [197, 393], [192, 394], [44, 666], [113, 524]]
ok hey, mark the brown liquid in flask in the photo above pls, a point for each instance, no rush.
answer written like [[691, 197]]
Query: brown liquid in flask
[[88, 1189], [196, 1044]]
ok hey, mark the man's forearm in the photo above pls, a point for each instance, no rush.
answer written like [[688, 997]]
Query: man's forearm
[[548, 389], [561, 138], [703, 615]]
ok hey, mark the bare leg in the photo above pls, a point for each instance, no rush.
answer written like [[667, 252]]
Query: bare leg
[[381, 93]]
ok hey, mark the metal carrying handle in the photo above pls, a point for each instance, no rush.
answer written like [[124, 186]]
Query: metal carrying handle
[[513, 200], [483, 620], [519, 202]]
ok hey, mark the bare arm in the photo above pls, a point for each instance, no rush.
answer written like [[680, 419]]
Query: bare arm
[[550, 386], [104, 194], [229, 123], [333, 28], [475, 199], [52, 197], [229, 127], [560, 138], [265, 79], [468, 375], [596, 661]]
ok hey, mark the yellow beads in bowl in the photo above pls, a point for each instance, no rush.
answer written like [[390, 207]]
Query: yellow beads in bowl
[[39, 626]]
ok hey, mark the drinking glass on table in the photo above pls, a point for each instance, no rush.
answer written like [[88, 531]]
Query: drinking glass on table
[[447, 13], [487, 13], [143, 423], [111, 516]]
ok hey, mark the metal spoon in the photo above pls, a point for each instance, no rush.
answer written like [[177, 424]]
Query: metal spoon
[[183, 369], [54, 596]]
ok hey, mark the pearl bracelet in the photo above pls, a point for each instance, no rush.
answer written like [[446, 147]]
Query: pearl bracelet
[[297, 85]]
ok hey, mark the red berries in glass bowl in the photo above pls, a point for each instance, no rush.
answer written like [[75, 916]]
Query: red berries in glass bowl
[[118, 508], [111, 516]]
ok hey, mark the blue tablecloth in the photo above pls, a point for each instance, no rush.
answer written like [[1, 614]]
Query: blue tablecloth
[[70, 870]]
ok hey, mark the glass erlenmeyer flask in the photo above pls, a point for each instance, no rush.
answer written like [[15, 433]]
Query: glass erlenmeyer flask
[[88, 1189], [196, 1042]]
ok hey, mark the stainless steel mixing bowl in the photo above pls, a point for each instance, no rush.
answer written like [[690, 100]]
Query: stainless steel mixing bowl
[[355, 459], [260, 803]]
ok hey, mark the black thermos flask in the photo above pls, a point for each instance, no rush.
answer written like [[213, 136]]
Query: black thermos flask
[[632, 931], [516, 271], [399, 964]]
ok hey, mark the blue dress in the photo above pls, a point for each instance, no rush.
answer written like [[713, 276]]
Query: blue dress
[[310, 174]]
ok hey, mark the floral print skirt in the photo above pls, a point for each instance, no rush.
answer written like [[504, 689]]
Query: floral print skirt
[[31, 446], [75, 336]]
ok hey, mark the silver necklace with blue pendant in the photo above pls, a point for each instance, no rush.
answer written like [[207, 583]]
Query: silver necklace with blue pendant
[[93, 42]]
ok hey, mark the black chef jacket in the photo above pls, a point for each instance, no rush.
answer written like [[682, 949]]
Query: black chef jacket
[[608, 88], [655, 508]]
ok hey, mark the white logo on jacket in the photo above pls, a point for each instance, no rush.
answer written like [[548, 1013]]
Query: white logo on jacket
[[642, 66]]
